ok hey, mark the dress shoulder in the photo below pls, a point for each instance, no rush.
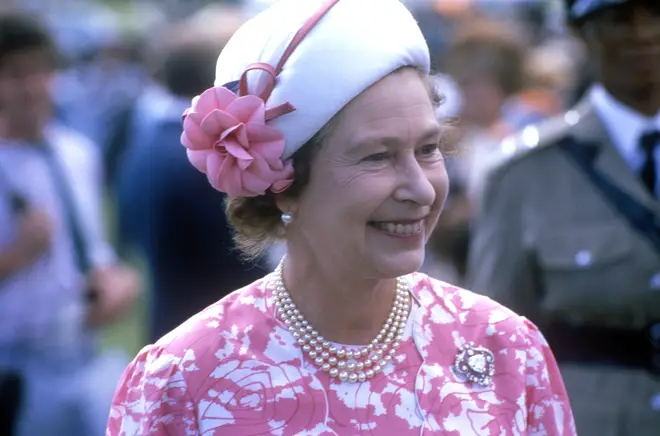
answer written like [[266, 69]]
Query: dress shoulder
[[475, 316], [239, 310], [154, 393], [467, 307], [153, 398], [524, 365]]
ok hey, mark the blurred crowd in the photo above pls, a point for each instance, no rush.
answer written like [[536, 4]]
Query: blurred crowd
[[100, 108]]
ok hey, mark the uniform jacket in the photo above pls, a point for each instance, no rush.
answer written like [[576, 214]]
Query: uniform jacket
[[548, 245]]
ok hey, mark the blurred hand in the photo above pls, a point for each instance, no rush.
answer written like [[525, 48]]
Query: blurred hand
[[114, 289], [34, 235]]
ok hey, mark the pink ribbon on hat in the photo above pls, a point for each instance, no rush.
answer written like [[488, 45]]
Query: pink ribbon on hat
[[227, 136]]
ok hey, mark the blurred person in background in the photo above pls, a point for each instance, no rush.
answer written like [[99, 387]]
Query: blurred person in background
[[502, 89], [59, 280], [568, 232], [438, 21], [488, 59], [104, 73], [136, 120], [11, 400], [167, 209], [483, 68]]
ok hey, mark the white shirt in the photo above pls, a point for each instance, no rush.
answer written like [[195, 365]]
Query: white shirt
[[32, 300], [625, 127]]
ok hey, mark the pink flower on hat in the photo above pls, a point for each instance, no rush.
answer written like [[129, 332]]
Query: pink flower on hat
[[227, 139]]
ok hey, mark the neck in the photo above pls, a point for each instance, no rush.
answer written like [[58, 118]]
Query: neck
[[642, 99], [22, 127], [343, 309]]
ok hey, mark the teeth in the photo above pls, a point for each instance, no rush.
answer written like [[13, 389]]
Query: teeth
[[400, 229]]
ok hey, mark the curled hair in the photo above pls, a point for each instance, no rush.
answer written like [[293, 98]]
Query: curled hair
[[257, 221]]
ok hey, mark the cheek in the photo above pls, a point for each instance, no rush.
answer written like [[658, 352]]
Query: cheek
[[350, 204], [439, 179], [334, 224], [329, 200], [360, 199]]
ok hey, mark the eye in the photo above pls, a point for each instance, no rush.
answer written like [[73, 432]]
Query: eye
[[429, 150], [377, 157]]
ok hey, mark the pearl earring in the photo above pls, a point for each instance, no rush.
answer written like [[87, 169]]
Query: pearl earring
[[287, 218]]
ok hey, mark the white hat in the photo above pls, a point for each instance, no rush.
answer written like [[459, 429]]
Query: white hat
[[357, 43], [301, 61]]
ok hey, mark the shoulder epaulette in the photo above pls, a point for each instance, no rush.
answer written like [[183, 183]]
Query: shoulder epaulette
[[537, 137]]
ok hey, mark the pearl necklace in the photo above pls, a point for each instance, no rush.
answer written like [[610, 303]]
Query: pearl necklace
[[352, 365]]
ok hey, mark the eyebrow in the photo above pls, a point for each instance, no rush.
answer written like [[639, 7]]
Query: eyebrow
[[430, 132]]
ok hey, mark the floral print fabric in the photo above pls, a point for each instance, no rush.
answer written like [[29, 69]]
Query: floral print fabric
[[235, 370]]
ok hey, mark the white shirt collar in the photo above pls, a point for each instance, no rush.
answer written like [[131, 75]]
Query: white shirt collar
[[623, 124]]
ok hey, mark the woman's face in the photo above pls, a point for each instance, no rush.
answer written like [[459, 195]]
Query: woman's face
[[377, 185]]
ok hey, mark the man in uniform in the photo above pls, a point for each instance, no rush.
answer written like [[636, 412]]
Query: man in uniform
[[568, 229]]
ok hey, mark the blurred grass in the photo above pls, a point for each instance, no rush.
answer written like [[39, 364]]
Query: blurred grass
[[130, 332]]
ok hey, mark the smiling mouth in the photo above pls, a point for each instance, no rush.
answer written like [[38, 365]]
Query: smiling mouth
[[399, 229]]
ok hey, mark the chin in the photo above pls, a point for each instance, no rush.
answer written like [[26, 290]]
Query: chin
[[400, 264]]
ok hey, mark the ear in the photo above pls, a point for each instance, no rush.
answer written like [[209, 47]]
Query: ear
[[286, 204]]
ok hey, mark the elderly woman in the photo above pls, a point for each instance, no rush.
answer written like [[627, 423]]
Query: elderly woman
[[322, 132]]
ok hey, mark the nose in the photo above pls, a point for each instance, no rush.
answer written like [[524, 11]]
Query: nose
[[414, 185]]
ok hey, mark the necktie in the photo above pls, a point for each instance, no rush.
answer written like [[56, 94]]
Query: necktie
[[648, 142]]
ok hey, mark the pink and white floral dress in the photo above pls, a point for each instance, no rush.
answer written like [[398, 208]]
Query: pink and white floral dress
[[235, 370]]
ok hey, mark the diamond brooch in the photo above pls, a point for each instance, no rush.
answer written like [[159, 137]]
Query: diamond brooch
[[476, 364]]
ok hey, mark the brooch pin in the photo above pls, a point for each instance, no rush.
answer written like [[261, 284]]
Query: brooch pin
[[476, 364]]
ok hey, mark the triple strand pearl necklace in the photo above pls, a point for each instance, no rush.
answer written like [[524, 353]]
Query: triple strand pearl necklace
[[346, 364]]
